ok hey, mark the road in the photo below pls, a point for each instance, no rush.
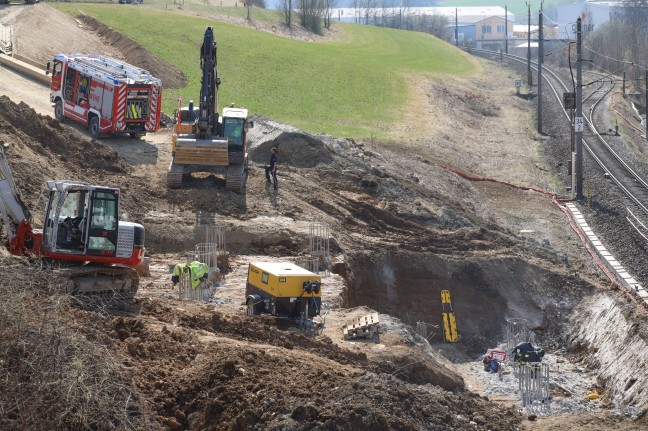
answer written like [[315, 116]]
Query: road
[[20, 89]]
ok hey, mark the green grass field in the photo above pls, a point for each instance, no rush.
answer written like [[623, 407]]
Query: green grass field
[[354, 86]]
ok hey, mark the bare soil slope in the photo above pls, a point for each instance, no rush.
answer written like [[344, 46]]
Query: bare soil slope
[[83, 35], [403, 226]]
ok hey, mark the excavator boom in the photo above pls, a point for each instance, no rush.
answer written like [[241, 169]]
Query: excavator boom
[[203, 142], [208, 121], [15, 215]]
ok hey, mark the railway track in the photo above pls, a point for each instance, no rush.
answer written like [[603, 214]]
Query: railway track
[[599, 144]]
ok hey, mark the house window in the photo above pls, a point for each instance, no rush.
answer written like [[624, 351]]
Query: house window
[[500, 29], [486, 29]]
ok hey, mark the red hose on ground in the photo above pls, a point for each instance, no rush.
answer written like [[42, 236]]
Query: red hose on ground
[[621, 115], [554, 199]]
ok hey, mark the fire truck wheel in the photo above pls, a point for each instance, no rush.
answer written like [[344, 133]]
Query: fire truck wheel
[[58, 112], [93, 126]]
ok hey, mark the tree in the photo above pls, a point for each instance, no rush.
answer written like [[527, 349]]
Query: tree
[[622, 40], [329, 5], [286, 9], [311, 12], [436, 25]]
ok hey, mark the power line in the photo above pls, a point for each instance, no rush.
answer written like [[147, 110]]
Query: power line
[[609, 58], [609, 74], [558, 23], [557, 50], [632, 63]]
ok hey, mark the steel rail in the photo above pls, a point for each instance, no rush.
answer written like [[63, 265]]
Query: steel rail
[[590, 122]]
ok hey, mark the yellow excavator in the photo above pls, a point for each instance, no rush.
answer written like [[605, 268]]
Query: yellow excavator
[[204, 142]]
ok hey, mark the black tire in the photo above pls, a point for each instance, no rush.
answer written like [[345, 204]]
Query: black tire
[[93, 127], [58, 111]]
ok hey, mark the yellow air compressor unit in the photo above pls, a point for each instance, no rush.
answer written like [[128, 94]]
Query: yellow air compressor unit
[[282, 289]]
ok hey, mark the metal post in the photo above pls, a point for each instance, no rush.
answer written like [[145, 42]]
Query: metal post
[[572, 150], [456, 28], [540, 61], [578, 121], [319, 245], [646, 105], [529, 76], [506, 28]]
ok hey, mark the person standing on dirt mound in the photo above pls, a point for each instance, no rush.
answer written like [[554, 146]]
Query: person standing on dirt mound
[[272, 168]]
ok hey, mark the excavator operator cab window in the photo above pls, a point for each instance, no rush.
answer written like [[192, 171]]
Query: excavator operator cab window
[[104, 223], [233, 130], [72, 221]]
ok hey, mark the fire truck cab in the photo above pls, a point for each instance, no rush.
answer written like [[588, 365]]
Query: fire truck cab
[[106, 95]]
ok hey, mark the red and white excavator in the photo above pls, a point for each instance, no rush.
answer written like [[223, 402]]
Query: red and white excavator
[[82, 233]]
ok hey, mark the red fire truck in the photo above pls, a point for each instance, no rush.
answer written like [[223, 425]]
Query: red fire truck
[[105, 94]]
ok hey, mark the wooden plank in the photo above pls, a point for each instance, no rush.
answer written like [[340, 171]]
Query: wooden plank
[[364, 326]]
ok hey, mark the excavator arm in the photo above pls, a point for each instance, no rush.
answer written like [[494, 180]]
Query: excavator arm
[[208, 121], [15, 215]]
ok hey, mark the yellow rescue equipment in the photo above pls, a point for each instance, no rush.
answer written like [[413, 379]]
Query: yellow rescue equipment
[[449, 322]]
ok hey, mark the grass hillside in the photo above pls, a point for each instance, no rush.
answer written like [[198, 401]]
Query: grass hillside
[[353, 86]]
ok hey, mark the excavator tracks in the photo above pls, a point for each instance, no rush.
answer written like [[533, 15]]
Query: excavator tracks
[[174, 176], [101, 282], [236, 177]]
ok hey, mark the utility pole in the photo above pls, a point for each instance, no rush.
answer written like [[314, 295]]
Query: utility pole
[[529, 76], [579, 125], [456, 28], [540, 61], [506, 28]]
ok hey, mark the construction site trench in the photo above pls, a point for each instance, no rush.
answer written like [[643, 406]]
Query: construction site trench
[[403, 228]]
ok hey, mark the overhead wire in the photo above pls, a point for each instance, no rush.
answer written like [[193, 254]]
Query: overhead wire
[[557, 50], [609, 58], [609, 74]]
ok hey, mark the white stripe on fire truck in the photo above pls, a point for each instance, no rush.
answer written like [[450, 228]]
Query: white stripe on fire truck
[[152, 112], [121, 106]]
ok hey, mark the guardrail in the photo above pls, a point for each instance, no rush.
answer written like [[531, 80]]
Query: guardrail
[[35, 73]]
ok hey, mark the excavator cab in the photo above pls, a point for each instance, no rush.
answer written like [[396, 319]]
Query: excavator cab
[[81, 219], [235, 125], [233, 131], [101, 255]]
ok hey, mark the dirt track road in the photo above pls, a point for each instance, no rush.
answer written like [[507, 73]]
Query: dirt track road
[[21, 89], [140, 152]]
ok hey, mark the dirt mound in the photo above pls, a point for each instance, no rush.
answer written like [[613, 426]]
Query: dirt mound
[[39, 149], [133, 53], [212, 371], [36, 39], [295, 147], [40, 32], [53, 375]]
